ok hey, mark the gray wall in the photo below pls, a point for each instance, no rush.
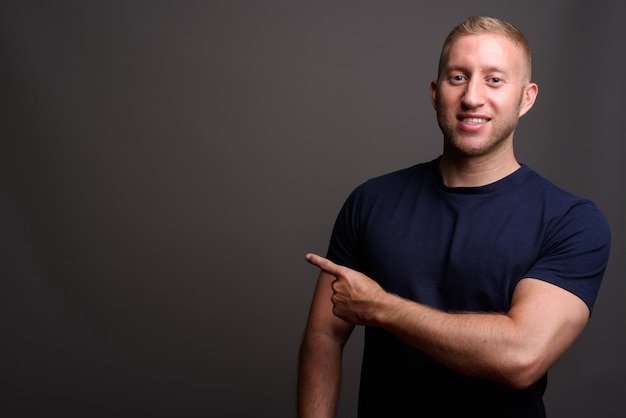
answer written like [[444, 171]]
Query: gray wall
[[165, 166]]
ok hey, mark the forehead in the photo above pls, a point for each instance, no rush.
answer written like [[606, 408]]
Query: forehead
[[485, 51]]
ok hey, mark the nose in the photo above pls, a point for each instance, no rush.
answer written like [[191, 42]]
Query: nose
[[474, 95]]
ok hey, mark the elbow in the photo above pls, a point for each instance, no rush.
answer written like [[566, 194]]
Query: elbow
[[522, 381], [523, 370], [315, 339]]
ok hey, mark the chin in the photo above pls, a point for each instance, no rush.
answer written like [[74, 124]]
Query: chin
[[466, 146], [471, 150]]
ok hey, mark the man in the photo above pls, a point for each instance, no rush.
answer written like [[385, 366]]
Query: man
[[471, 273]]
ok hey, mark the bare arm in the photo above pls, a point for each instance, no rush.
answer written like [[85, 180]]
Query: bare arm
[[319, 372], [514, 348]]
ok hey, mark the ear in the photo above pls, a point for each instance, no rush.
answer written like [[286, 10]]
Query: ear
[[528, 98], [433, 93]]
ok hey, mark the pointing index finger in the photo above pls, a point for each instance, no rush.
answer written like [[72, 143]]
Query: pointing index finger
[[323, 263]]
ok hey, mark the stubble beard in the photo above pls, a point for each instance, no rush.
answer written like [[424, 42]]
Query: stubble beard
[[501, 131], [464, 146]]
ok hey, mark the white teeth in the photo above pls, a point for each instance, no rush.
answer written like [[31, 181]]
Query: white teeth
[[474, 120]]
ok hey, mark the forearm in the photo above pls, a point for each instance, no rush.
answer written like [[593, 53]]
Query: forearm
[[319, 377], [486, 346]]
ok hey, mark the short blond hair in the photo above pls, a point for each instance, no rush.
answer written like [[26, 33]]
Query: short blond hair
[[476, 25]]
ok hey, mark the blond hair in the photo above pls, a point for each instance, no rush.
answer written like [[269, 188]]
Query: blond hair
[[476, 25]]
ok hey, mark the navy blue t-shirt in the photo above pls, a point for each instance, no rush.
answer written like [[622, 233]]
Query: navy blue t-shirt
[[461, 249]]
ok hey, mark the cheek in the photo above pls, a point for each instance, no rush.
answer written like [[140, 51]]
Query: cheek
[[512, 101], [442, 101]]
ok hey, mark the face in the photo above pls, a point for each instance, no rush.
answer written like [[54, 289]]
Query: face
[[481, 93]]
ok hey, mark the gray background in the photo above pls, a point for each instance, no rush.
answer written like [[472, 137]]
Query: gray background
[[165, 166]]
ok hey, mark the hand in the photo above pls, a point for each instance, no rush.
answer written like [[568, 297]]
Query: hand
[[355, 296]]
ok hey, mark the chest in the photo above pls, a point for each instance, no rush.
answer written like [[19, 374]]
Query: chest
[[464, 254]]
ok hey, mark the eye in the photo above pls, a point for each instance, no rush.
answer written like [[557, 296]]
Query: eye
[[495, 80], [457, 79]]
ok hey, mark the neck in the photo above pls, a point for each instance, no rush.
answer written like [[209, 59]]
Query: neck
[[463, 171]]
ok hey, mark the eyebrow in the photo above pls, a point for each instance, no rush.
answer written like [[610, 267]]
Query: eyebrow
[[489, 69]]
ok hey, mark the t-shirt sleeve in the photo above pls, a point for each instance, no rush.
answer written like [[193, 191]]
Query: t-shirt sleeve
[[343, 246], [575, 252]]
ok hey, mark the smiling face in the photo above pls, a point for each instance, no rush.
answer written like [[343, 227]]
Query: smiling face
[[481, 93]]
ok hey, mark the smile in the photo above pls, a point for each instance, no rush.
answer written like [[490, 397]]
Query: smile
[[474, 121]]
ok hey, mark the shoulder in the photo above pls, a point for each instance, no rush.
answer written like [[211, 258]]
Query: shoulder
[[574, 240], [379, 195], [559, 204], [577, 238]]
